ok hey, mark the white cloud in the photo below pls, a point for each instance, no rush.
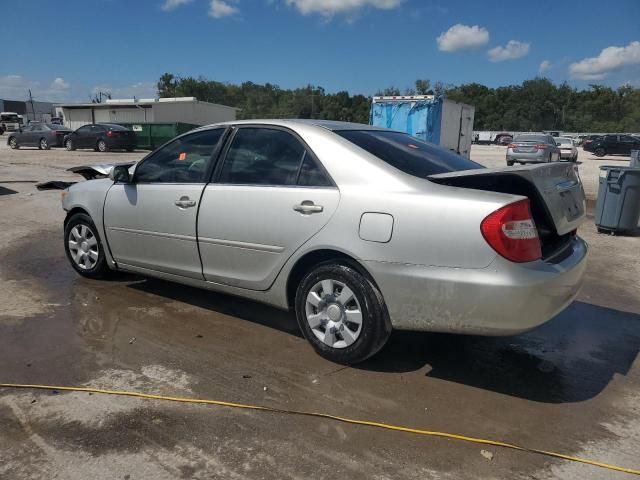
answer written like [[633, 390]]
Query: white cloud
[[610, 60], [511, 51], [329, 8], [221, 8], [60, 84], [462, 37], [544, 67], [169, 5]]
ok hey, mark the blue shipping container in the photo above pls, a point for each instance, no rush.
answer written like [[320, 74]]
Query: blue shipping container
[[433, 119], [421, 118]]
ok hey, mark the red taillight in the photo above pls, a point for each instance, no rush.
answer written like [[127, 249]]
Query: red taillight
[[512, 145], [512, 232], [110, 133], [542, 146]]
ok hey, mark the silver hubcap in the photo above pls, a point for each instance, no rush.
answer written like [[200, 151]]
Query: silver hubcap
[[83, 246], [43, 143], [13, 142], [102, 146], [333, 313]]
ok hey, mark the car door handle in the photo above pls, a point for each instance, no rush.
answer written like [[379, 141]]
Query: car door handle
[[185, 202], [308, 207]]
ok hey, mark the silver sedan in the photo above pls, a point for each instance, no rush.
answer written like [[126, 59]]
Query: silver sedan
[[359, 230]]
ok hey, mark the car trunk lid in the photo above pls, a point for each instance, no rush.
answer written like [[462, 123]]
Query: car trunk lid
[[557, 197]]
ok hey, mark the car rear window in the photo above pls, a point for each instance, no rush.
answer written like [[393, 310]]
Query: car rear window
[[407, 153], [54, 126], [564, 141], [531, 138]]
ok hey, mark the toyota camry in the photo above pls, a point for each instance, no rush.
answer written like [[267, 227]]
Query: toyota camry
[[359, 230]]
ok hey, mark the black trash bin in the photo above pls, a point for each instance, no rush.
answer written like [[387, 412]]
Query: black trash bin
[[618, 205]]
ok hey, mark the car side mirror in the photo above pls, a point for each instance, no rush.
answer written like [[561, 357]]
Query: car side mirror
[[120, 174]]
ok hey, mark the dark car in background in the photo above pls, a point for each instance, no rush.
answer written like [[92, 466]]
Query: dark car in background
[[101, 137], [612, 145], [41, 135]]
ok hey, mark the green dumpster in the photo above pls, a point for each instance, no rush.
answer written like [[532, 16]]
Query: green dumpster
[[151, 135]]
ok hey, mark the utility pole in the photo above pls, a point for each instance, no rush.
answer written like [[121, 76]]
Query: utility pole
[[33, 110]]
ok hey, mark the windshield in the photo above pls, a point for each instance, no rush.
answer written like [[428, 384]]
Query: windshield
[[531, 138], [564, 141], [13, 118], [407, 153]]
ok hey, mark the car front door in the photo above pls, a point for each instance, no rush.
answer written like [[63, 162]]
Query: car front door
[[151, 222], [80, 136], [269, 196], [25, 136]]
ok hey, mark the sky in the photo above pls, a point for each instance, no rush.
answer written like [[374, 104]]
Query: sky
[[68, 51]]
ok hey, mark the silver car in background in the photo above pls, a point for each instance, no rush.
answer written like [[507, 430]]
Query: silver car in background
[[41, 135], [532, 148], [568, 150], [359, 230]]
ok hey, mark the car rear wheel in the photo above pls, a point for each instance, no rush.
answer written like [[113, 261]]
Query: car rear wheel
[[83, 247], [43, 144], [69, 146], [102, 146], [13, 143], [600, 152], [342, 313], [510, 163]]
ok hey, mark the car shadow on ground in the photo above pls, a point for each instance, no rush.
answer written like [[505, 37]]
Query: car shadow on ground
[[225, 304], [569, 359]]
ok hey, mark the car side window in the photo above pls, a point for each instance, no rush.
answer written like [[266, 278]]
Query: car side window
[[611, 138], [311, 175], [83, 130], [185, 160], [262, 156]]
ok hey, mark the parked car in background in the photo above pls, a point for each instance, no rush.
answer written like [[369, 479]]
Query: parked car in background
[[9, 122], [358, 229], [532, 148], [41, 135], [612, 145], [587, 139], [568, 148], [102, 137]]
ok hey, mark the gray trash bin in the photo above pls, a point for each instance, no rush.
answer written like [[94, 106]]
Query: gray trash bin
[[618, 206]]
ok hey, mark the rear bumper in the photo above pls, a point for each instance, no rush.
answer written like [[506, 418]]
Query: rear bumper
[[568, 154], [121, 143], [503, 299], [537, 157]]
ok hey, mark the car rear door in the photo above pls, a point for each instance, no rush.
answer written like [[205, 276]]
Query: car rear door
[[269, 196], [151, 223]]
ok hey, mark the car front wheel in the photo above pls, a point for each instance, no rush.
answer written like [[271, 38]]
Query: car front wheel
[[43, 144], [599, 152], [83, 247], [13, 143], [342, 313], [69, 146]]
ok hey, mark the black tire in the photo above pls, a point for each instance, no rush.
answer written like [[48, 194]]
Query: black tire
[[100, 269], [600, 152], [13, 143], [43, 144], [68, 145], [101, 146], [510, 163], [375, 327]]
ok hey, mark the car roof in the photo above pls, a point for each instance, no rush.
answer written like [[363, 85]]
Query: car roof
[[293, 123]]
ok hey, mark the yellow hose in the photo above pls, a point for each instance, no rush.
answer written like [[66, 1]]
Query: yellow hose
[[330, 417]]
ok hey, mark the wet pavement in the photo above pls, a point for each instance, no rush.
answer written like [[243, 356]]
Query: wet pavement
[[571, 385]]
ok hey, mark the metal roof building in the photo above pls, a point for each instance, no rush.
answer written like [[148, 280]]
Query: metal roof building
[[163, 110]]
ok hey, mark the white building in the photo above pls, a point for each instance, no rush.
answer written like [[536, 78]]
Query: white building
[[163, 110]]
